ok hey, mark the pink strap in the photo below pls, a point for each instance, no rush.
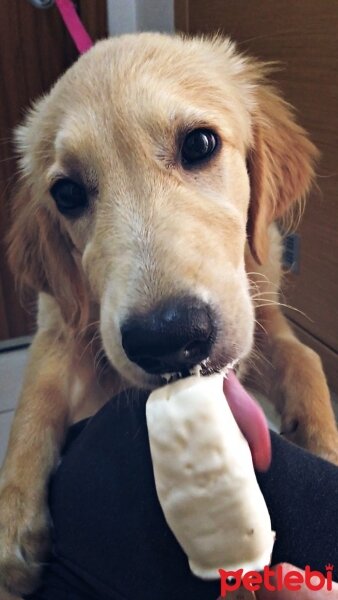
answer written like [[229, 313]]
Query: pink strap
[[74, 25]]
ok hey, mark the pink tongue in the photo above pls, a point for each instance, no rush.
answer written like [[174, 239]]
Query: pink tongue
[[251, 421]]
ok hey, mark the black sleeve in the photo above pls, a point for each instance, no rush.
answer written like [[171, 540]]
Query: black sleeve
[[111, 540]]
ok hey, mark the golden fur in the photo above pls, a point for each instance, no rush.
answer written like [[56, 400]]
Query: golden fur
[[154, 229]]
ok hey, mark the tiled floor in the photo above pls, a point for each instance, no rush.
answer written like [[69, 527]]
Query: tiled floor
[[12, 365]]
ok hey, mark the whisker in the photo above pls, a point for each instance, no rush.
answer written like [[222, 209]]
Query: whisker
[[86, 327], [261, 294], [91, 341], [259, 274], [260, 325], [272, 303]]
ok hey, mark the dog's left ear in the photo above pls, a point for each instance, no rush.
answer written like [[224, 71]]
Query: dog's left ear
[[41, 258], [280, 164]]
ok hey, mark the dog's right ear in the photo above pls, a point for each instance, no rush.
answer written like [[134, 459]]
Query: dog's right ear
[[281, 167], [40, 256]]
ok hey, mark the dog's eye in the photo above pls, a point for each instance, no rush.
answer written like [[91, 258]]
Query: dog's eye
[[198, 145], [70, 197]]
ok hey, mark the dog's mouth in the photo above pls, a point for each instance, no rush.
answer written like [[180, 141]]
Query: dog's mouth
[[247, 413], [204, 368]]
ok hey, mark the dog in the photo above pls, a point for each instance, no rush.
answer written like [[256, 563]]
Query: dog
[[152, 177]]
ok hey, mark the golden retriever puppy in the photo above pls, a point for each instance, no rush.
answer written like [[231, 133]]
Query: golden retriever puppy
[[151, 177]]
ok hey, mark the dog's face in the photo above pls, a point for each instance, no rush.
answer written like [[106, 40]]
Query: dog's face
[[136, 166]]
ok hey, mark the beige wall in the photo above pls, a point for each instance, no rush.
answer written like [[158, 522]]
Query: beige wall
[[125, 16]]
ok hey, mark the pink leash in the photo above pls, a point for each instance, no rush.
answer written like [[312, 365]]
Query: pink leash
[[74, 25]]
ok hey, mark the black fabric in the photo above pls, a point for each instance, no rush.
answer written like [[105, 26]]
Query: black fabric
[[111, 541]]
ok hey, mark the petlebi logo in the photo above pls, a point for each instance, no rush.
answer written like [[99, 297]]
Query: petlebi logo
[[275, 580]]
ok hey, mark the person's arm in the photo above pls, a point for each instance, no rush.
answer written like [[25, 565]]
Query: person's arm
[[110, 536]]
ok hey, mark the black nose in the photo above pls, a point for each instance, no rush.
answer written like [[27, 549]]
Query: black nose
[[173, 337]]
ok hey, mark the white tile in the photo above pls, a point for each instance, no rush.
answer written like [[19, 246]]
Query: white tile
[[271, 414], [12, 365], [5, 424]]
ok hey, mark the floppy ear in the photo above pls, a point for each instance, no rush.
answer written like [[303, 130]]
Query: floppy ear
[[40, 255], [280, 164]]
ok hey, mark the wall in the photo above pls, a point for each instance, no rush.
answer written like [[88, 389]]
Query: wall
[[125, 16]]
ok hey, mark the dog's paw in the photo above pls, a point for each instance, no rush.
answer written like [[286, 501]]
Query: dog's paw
[[330, 454], [24, 538], [312, 436]]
